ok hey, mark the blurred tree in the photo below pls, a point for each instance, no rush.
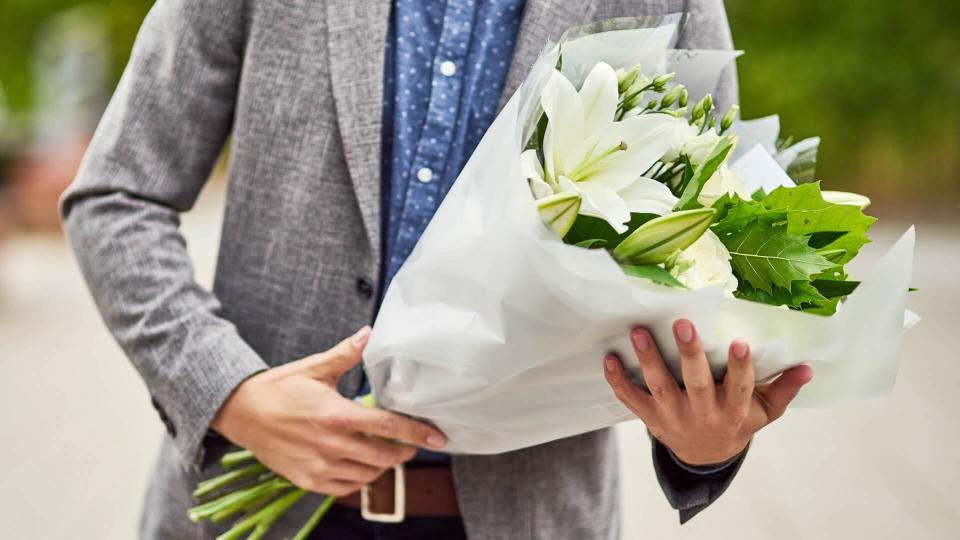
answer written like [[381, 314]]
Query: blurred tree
[[879, 80]]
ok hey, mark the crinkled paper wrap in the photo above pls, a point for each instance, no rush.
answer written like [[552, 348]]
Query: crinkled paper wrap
[[495, 330]]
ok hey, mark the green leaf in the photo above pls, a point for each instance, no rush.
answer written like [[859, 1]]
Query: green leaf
[[589, 228], [735, 214], [653, 272], [768, 256], [831, 288], [658, 238], [820, 240], [808, 214], [591, 243], [800, 295], [693, 187]]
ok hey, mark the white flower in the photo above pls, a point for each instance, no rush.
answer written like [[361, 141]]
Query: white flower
[[587, 152], [706, 262], [723, 182], [686, 139], [843, 197]]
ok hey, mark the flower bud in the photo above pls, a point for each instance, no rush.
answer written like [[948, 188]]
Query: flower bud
[[626, 78], [661, 82], [727, 121], [684, 98], [671, 97], [707, 102], [654, 241], [559, 211]]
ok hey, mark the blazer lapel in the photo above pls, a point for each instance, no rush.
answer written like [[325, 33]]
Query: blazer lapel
[[356, 34], [542, 20]]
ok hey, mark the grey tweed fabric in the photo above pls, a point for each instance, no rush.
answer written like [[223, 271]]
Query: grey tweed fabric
[[296, 85]]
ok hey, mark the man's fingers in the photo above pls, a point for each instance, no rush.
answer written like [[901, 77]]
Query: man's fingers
[[697, 377], [775, 397], [631, 395], [353, 471], [395, 427], [656, 376], [330, 365], [739, 380], [373, 451]]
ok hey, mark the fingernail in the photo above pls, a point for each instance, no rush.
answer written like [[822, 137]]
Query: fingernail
[[436, 441], [684, 331], [740, 350], [609, 364], [641, 341], [361, 336]]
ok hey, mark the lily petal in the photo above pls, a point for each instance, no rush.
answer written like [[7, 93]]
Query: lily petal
[[606, 204], [645, 138], [646, 196], [599, 97], [565, 127]]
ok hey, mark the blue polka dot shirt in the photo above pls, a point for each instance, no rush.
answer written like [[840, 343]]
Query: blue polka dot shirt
[[446, 64]]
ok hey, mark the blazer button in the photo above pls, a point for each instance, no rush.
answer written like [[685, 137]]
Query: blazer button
[[365, 287], [167, 423]]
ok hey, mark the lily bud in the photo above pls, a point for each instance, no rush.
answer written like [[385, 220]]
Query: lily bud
[[697, 113], [707, 102], [625, 79], [727, 121], [656, 240], [684, 98], [661, 82], [671, 97], [559, 211]]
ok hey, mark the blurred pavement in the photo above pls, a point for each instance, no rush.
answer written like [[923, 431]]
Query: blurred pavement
[[79, 436]]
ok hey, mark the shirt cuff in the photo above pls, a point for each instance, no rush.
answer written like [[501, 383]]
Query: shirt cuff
[[705, 470]]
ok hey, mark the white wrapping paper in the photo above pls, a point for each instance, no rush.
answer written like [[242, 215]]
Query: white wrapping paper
[[495, 330]]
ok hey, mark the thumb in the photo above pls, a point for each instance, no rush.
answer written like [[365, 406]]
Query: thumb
[[777, 396], [338, 360]]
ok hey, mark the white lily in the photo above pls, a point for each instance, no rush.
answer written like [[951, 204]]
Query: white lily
[[586, 152]]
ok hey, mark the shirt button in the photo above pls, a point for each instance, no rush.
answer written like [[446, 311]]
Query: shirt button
[[365, 287], [448, 68], [424, 175]]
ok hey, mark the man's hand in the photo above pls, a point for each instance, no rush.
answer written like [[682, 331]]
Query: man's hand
[[294, 421], [703, 423]]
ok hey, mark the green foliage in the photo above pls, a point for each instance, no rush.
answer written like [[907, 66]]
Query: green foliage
[[653, 272], [768, 257], [807, 213], [693, 185], [22, 20], [789, 247]]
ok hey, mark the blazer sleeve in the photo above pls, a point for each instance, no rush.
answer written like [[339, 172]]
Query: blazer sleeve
[[149, 158], [707, 27]]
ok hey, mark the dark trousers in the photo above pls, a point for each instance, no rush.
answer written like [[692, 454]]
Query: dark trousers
[[344, 523]]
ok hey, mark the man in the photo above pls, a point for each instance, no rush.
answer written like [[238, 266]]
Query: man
[[335, 170]]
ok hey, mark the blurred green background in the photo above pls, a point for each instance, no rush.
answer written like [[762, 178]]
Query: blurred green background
[[878, 80]]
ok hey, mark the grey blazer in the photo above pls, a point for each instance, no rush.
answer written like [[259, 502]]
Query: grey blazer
[[297, 86]]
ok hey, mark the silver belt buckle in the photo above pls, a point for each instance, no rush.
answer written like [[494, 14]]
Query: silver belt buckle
[[399, 500]]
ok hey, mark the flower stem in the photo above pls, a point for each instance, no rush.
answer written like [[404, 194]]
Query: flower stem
[[232, 459], [209, 486], [236, 498], [261, 521], [314, 519]]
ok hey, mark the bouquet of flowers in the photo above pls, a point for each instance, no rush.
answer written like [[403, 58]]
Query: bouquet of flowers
[[611, 193]]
